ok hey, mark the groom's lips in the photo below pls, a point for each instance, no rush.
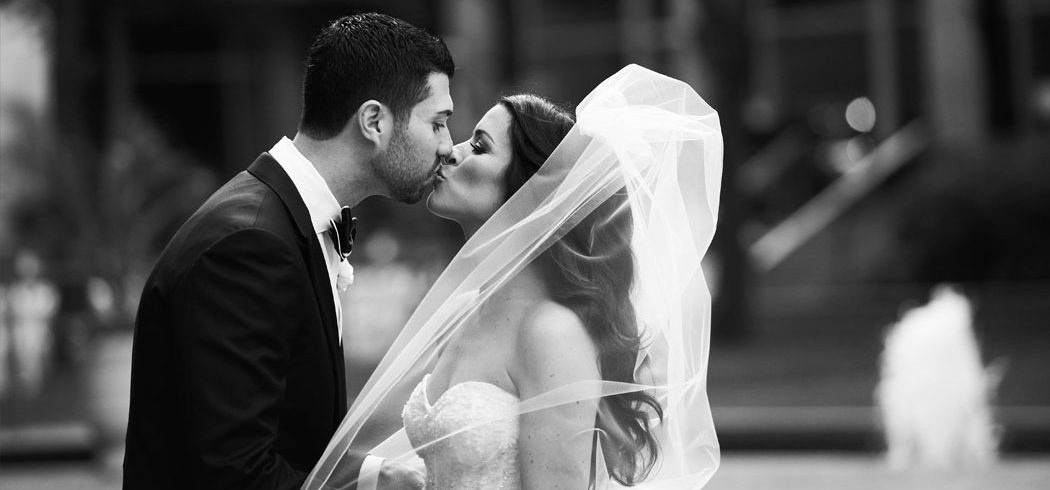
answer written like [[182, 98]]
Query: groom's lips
[[438, 175]]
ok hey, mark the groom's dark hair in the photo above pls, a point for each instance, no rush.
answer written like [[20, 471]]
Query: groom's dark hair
[[364, 57]]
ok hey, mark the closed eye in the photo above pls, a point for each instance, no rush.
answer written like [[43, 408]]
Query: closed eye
[[477, 147]]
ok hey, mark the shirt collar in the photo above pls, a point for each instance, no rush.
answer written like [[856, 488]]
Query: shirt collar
[[319, 200]]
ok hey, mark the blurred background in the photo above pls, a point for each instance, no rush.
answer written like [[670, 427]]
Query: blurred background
[[874, 149]]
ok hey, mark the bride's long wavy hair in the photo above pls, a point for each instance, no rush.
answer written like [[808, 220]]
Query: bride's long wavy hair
[[591, 270]]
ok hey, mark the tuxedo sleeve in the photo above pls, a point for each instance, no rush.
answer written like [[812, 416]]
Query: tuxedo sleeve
[[235, 333]]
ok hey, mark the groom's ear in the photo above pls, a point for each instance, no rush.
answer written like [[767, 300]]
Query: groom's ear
[[376, 122]]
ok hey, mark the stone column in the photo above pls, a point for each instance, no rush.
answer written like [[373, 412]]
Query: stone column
[[883, 66], [471, 35], [637, 33], [955, 85]]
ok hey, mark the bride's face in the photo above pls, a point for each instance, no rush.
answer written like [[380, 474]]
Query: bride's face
[[469, 188]]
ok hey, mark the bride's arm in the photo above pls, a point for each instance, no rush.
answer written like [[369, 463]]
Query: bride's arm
[[555, 444]]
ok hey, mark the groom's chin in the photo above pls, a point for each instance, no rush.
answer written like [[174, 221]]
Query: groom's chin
[[411, 200], [412, 196]]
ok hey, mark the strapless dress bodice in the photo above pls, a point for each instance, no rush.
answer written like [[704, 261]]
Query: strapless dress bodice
[[482, 457]]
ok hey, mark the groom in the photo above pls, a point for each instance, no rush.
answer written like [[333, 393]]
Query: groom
[[237, 368]]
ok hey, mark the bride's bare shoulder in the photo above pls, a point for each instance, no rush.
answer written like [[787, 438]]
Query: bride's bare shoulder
[[553, 336], [549, 320]]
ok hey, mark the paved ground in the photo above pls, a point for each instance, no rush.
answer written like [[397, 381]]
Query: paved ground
[[812, 471], [831, 471]]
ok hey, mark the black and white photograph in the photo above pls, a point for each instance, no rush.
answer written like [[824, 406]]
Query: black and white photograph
[[524, 244]]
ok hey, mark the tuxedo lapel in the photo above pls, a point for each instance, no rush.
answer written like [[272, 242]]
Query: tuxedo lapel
[[266, 169]]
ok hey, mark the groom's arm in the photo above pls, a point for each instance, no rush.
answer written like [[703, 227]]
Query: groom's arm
[[234, 332]]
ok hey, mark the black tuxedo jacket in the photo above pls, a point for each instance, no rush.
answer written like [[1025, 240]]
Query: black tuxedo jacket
[[237, 372]]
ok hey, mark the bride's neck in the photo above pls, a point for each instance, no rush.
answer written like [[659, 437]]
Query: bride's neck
[[469, 228], [525, 286]]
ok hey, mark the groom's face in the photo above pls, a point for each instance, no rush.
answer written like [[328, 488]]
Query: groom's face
[[419, 144]]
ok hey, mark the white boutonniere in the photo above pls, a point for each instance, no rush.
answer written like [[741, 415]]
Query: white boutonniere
[[346, 276]]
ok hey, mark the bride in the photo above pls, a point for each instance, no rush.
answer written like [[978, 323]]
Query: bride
[[565, 346]]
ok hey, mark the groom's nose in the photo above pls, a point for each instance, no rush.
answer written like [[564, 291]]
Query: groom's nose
[[445, 147], [454, 156]]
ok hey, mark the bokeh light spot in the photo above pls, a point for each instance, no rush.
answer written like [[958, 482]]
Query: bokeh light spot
[[860, 114]]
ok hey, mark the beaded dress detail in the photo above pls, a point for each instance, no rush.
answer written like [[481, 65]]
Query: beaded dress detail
[[482, 458]]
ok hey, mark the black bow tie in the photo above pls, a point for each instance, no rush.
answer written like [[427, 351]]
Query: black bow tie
[[343, 232]]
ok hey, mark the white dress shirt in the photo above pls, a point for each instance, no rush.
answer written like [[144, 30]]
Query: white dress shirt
[[323, 206]]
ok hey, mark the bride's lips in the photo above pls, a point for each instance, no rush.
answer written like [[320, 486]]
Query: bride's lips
[[439, 176]]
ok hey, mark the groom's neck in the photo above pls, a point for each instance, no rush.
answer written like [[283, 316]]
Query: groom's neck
[[341, 165]]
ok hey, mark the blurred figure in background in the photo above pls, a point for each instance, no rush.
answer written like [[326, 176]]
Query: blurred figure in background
[[934, 394], [32, 303]]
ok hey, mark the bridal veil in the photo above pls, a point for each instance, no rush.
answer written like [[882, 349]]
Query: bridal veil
[[654, 144]]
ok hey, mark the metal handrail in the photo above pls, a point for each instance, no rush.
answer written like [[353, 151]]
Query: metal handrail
[[872, 169]]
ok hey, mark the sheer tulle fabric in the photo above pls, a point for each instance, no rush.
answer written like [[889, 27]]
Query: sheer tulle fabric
[[639, 134]]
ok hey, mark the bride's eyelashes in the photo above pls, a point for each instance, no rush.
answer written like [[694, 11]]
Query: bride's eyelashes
[[477, 148]]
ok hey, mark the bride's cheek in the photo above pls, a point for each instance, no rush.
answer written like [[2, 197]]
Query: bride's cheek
[[474, 177]]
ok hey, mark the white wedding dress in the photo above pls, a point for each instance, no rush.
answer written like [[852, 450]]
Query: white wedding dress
[[483, 457]]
